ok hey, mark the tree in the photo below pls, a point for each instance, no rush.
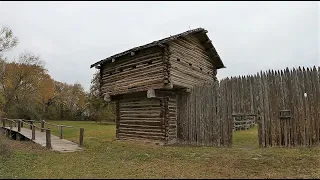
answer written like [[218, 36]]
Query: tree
[[7, 39], [22, 86], [7, 42], [2, 97], [98, 109]]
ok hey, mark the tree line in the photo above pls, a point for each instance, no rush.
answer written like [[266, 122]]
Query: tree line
[[27, 91]]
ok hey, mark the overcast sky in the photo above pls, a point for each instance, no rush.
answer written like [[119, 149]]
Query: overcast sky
[[248, 36]]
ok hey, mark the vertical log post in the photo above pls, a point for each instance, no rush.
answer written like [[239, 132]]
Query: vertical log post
[[60, 128], [48, 138], [19, 126], [10, 124], [42, 125], [81, 136], [21, 123], [33, 132]]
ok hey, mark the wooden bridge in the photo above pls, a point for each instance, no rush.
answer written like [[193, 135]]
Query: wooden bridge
[[14, 128]]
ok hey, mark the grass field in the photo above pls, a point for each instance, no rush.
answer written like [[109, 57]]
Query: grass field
[[104, 157]]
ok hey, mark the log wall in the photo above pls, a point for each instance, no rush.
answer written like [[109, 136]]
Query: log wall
[[189, 62], [139, 117], [130, 73]]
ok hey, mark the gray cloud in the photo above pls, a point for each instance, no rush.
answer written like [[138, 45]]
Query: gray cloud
[[249, 36]]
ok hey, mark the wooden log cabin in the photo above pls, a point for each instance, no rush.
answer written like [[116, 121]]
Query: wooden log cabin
[[145, 82]]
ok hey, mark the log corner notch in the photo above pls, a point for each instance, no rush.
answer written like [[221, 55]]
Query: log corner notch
[[151, 93], [166, 66], [107, 97]]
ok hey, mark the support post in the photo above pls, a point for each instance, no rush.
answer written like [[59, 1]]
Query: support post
[[60, 128], [21, 123], [33, 132], [81, 136], [18, 136], [19, 126], [10, 124], [42, 125], [48, 138], [7, 132], [10, 134]]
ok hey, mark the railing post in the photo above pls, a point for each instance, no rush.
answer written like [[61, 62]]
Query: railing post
[[60, 128], [10, 124], [3, 122], [31, 124], [42, 125], [48, 138], [81, 136], [19, 125], [33, 132]]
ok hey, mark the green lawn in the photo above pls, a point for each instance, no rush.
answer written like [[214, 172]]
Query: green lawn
[[104, 157]]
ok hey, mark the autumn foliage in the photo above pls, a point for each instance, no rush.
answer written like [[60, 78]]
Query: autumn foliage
[[28, 91]]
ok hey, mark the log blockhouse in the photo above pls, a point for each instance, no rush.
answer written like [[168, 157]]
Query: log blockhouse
[[145, 82]]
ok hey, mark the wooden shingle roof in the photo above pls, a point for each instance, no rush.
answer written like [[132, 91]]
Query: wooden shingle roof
[[200, 31]]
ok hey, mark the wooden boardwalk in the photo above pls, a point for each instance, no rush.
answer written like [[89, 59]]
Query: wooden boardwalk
[[57, 144]]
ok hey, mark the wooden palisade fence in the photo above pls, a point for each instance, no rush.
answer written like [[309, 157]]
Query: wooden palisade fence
[[275, 100], [286, 103], [204, 116]]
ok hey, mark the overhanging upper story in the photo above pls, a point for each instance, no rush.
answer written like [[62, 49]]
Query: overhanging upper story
[[178, 61]]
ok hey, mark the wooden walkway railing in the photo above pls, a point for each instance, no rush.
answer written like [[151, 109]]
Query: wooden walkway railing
[[19, 123]]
